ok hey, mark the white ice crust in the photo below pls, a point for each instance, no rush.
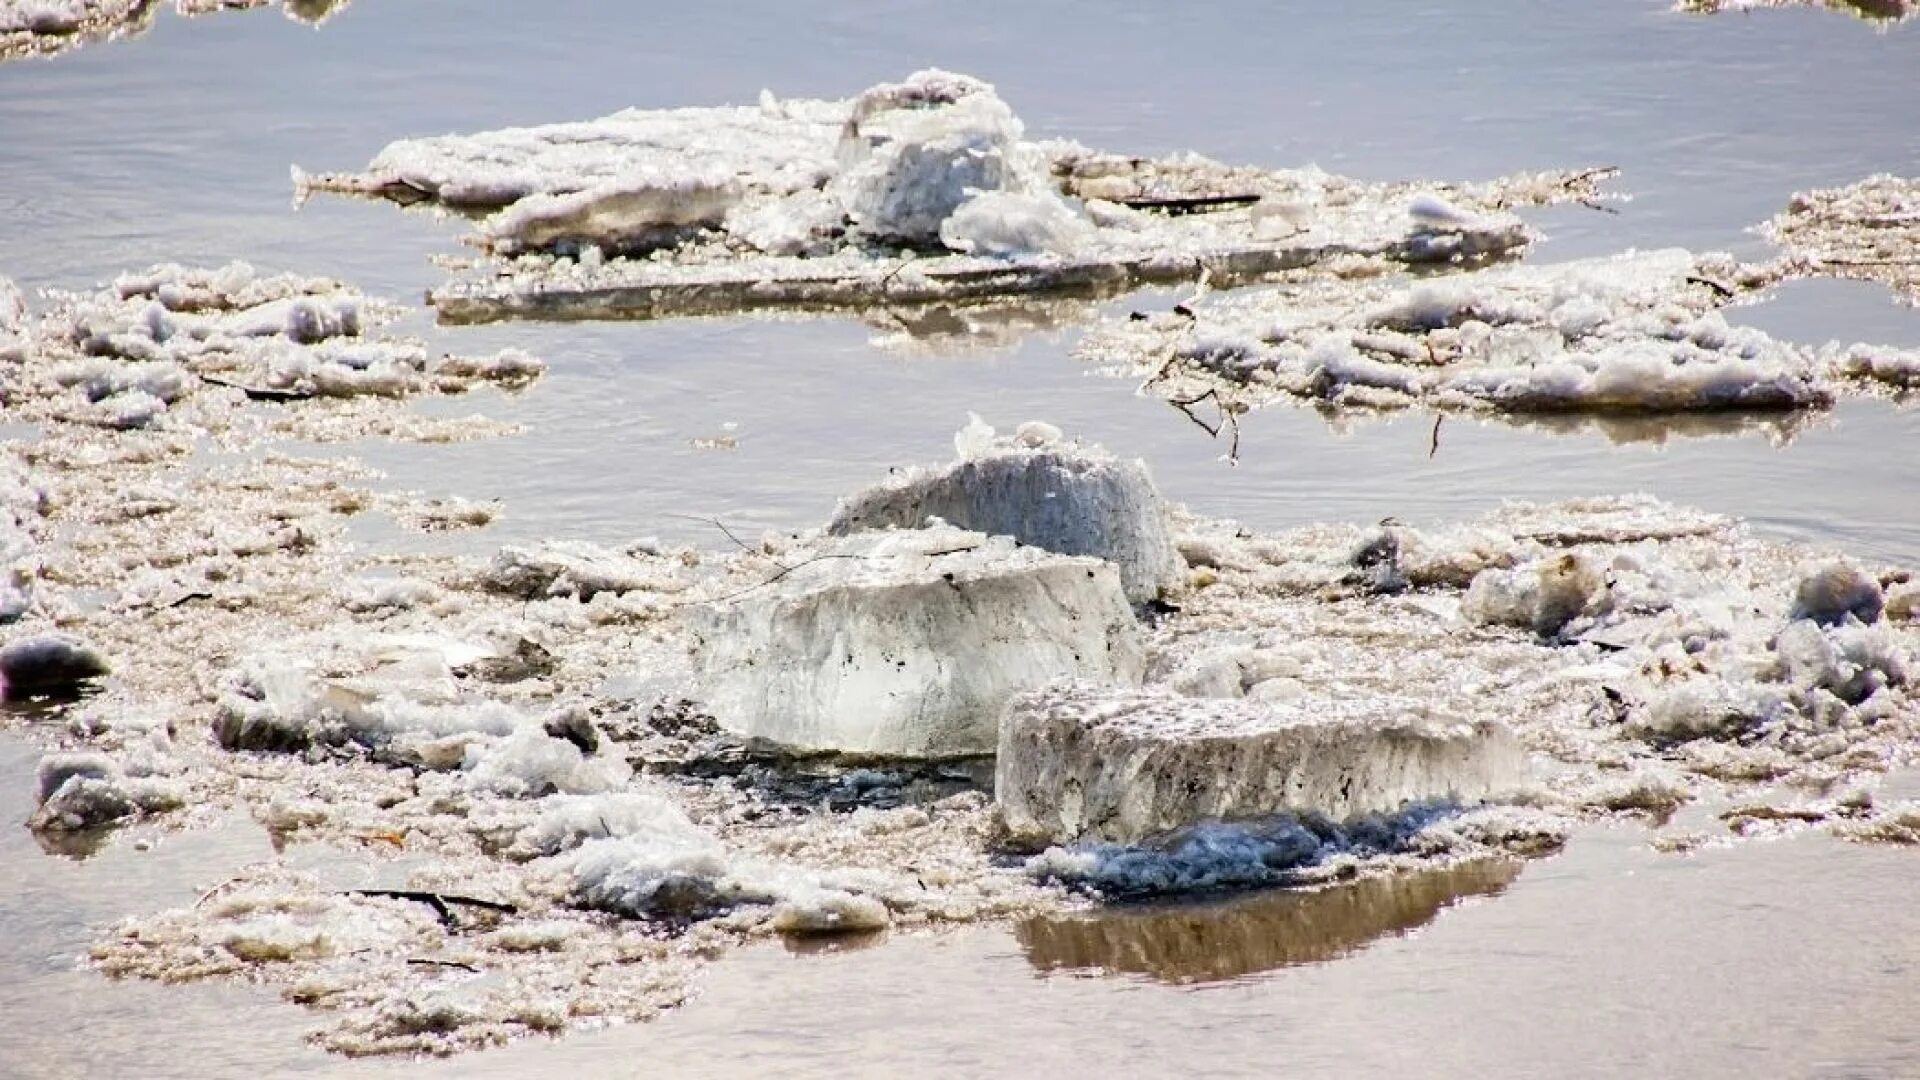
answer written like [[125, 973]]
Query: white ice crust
[[909, 642], [1041, 490], [1077, 762]]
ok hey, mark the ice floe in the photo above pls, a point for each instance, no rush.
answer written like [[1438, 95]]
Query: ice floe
[[1643, 333], [921, 192]]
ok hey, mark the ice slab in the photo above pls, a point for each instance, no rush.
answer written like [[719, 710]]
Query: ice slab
[[1865, 231], [1640, 333], [920, 192], [1041, 490], [1077, 762], [908, 643]]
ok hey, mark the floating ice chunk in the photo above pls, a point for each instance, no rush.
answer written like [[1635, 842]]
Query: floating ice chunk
[[1430, 211], [998, 223], [506, 366], [635, 213], [1706, 708], [1067, 499], [47, 663], [567, 568], [829, 911], [668, 874], [1850, 661], [86, 790], [567, 821], [1836, 591], [1127, 765], [909, 643], [530, 762], [1543, 596]]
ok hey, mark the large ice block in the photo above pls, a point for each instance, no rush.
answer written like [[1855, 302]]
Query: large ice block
[[909, 643], [1124, 765]]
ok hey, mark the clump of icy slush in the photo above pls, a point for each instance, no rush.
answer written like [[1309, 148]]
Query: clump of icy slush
[[908, 642], [1080, 762], [1042, 491]]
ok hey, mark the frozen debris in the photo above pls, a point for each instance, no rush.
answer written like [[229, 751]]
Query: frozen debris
[[200, 343], [47, 663], [1258, 932], [86, 790], [908, 643], [1041, 490], [1881, 13], [1640, 333], [1078, 762], [918, 192], [1895, 824], [1866, 231]]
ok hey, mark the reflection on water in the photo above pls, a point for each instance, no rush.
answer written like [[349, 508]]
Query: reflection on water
[[1212, 942]]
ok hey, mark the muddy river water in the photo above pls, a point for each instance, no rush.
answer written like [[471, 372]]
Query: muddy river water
[[1797, 957]]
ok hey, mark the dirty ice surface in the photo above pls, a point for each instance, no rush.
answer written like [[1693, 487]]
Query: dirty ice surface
[[569, 834], [51, 27], [908, 193], [1636, 333]]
